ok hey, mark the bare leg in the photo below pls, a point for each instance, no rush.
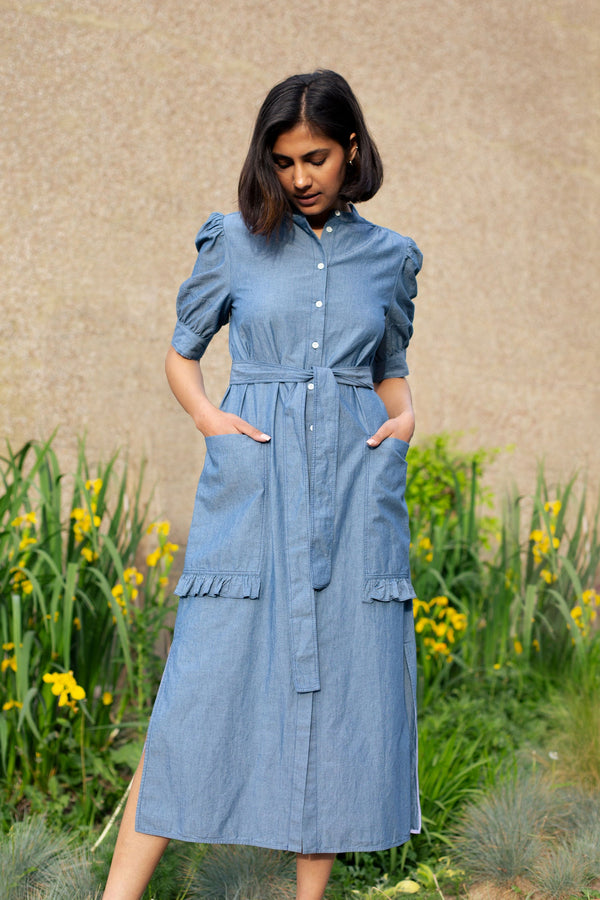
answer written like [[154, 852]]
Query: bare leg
[[312, 874], [136, 855]]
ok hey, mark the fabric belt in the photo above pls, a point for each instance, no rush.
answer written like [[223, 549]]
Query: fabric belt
[[324, 457]]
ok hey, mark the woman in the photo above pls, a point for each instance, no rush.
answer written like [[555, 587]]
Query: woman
[[286, 714]]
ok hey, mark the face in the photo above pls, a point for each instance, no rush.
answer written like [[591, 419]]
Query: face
[[311, 168]]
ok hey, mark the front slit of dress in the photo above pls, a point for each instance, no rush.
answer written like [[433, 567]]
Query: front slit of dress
[[300, 769]]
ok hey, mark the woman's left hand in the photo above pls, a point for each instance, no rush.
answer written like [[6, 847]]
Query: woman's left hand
[[401, 427]]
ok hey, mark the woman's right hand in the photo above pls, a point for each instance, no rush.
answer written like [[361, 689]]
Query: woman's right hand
[[214, 421], [186, 381]]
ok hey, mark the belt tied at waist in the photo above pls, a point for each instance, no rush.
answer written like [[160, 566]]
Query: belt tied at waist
[[323, 462]]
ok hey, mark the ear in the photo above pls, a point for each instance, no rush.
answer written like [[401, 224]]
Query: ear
[[353, 148]]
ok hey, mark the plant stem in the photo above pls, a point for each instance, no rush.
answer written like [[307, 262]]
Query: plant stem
[[82, 754]]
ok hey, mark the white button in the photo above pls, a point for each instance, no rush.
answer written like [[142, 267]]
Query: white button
[[329, 229], [319, 303], [311, 386], [321, 266], [315, 345], [311, 427], [337, 212]]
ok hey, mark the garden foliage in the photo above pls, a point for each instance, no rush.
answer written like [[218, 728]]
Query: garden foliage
[[506, 619], [78, 624]]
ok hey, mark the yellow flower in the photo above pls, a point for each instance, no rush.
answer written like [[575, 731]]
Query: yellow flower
[[536, 644], [536, 535], [153, 558], [576, 612], [425, 548], [548, 576], [26, 542], [439, 647], [83, 522], [159, 527], [12, 704], [20, 580], [440, 601], [63, 685], [518, 646], [553, 507], [29, 517], [77, 623], [89, 554], [591, 597], [10, 663], [107, 698], [94, 486], [496, 666], [168, 550], [419, 604], [132, 576], [421, 624], [163, 581], [459, 620], [9, 646], [117, 591]]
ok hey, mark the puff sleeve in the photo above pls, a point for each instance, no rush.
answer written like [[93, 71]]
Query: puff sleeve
[[204, 299], [390, 356]]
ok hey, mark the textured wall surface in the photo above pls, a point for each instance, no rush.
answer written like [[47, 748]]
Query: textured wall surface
[[125, 123]]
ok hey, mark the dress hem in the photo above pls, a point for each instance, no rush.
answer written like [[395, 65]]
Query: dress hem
[[290, 846]]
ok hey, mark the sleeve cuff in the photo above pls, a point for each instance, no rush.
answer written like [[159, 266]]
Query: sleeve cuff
[[187, 343], [394, 367]]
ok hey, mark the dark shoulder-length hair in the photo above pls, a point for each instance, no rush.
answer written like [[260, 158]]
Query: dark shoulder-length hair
[[325, 101]]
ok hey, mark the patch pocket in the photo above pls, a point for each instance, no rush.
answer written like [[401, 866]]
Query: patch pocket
[[226, 541], [386, 535]]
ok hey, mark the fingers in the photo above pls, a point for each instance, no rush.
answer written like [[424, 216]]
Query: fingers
[[221, 423], [393, 428], [246, 428], [255, 434], [380, 435]]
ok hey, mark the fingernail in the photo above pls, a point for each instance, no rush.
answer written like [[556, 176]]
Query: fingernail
[[371, 442], [265, 437]]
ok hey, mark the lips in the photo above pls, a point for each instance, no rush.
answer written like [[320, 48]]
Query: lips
[[305, 199]]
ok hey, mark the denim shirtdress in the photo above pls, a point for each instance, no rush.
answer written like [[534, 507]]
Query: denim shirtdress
[[286, 714]]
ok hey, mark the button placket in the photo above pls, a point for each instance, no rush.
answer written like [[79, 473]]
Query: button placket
[[317, 320]]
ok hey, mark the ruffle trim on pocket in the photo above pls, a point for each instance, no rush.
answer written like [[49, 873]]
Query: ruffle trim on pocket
[[387, 589], [218, 584]]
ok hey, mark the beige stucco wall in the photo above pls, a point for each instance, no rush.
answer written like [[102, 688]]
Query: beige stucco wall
[[125, 124]]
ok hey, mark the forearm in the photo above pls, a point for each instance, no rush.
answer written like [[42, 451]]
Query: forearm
[[186, 381]]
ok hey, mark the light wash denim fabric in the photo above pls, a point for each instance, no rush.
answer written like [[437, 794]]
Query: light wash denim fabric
[[286, 715]]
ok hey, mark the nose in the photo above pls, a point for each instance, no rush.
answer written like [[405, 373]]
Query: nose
[[301, 177]]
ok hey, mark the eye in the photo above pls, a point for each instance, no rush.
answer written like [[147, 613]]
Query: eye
[[281, 163], [319, 162]]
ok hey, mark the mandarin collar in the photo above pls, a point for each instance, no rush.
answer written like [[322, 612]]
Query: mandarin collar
[[340, 215]]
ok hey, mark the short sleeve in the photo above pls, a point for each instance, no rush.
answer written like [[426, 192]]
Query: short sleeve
[[390, 356], [204, 300]]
